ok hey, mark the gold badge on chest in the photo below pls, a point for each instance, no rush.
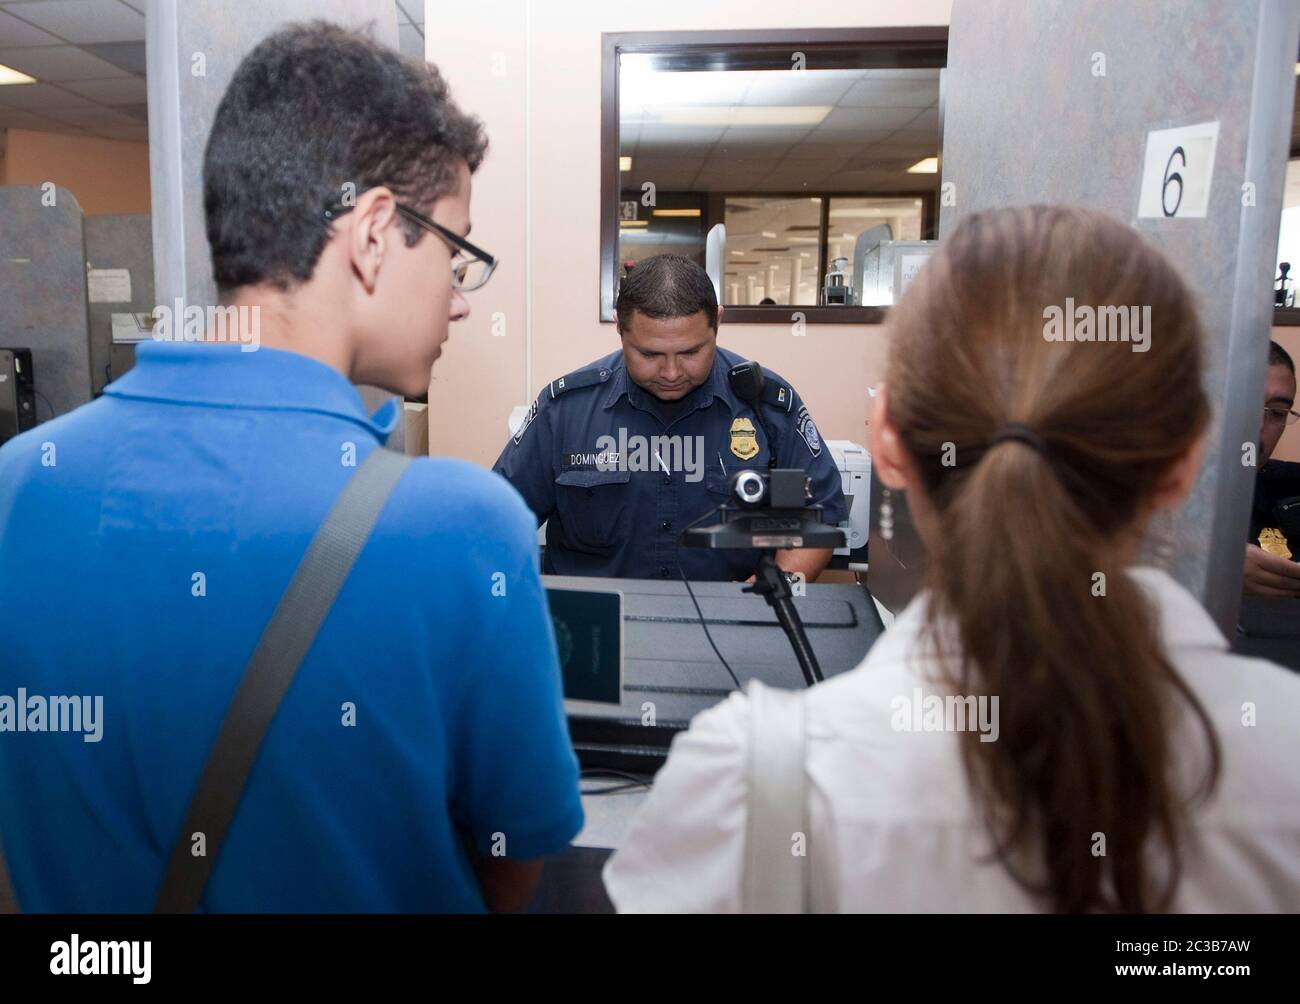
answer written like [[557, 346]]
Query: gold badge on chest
[[744, 442], [1273, 541]]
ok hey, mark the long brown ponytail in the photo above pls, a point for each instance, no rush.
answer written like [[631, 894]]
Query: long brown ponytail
[[1029, 566]]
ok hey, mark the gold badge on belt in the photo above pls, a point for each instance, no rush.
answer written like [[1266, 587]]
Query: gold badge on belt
[[744, 442], [1272, 541]]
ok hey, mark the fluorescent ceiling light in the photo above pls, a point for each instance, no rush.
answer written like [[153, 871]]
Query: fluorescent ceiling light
[[768, 234], [633, 223], [862, 213], [731, 115], [676, 212], [930, 165], [625, 163], [8, 75]]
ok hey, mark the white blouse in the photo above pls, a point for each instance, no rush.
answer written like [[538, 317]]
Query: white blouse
[[892, 823]]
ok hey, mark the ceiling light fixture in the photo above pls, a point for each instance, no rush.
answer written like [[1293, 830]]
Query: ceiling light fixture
[[8, 75]]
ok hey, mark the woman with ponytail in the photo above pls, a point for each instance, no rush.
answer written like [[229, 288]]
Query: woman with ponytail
[[1099, 748]]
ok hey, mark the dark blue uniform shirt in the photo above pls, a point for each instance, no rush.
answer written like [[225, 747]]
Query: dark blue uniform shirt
[[619, 474], [1277, 480]]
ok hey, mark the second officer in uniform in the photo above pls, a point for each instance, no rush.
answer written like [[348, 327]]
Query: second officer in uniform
[[624, 454]]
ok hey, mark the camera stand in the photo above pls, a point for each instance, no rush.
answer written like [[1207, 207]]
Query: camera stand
[[771, 530]]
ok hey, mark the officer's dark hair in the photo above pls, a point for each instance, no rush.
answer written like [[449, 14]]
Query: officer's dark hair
[[666, 285], [1032, 596], [1278, 356], [311, 109]]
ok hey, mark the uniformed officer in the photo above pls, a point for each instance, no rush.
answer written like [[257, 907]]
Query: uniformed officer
[[1273, 555], [622, 455]]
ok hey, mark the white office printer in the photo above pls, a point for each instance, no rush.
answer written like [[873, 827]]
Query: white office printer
[[854, 464]]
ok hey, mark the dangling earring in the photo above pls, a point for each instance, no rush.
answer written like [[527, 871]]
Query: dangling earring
[[886, 523], [1161, 542]]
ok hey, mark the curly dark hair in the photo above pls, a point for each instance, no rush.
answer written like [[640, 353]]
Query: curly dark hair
[[312, 109]]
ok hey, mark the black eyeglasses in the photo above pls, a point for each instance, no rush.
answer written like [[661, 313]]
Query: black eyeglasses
[[1278, 416], [468, 273]]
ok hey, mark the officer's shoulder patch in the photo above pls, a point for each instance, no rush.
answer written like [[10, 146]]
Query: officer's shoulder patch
[[523, 426], [778, 394], [581, 378], [808, 432]]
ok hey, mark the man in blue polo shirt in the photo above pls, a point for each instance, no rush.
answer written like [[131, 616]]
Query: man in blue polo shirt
[[420, 760]]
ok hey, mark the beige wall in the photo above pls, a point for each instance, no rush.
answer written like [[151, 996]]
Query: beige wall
[[1288, 448], [106, 175], [482, 51]]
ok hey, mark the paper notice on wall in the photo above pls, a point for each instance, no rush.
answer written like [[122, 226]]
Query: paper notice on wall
[[1177, 171], [109, 285], [132, 327], [912, 264]]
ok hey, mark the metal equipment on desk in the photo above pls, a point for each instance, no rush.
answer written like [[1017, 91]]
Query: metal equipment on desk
[[670, 672]]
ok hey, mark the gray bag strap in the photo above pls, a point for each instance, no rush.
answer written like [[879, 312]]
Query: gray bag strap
[[284, 644], [775, 877]]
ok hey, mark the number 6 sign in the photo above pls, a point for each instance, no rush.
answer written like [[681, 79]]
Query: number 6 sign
[[1177, 171]]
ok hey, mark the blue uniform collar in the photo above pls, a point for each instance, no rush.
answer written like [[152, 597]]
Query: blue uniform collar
[[224, 376], [703, 395]]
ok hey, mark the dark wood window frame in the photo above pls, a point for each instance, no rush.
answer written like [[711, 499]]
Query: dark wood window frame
[[931, 41]]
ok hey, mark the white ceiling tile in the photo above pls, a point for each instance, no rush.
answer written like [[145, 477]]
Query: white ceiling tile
[[875, 119], [899, 150], [14, 32], [128, 56], [833, 145], [927, 119], [765, 137], [827, 162], [41, 97], [730, 174], [892, 93], [679, 135], [85, 20], [118, 91], [801, 87], [92, 118], [56, 63]]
